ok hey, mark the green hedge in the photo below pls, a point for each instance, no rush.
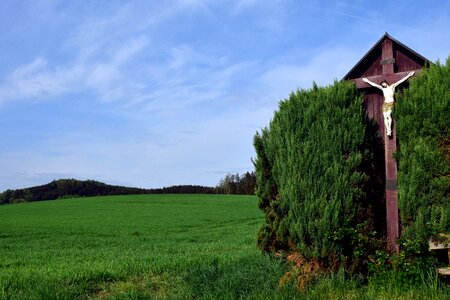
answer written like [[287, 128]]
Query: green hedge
[[313, 167], [423, 129]]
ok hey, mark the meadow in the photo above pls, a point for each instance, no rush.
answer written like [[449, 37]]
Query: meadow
[[154, 247], [160, 246]]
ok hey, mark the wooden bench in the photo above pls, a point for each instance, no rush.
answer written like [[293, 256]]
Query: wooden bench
[[441, 243]]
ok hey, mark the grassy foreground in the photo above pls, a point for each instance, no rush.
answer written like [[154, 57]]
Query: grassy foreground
[[155, 246], [166, 246]]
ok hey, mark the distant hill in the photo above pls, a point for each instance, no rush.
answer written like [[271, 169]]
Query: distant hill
[[70, 188]]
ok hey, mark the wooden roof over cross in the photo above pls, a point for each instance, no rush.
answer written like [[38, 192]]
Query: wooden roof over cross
[[388, 60]]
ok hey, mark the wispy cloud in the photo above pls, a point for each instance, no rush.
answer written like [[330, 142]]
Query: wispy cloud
[[31, 68], [111, 79], [36, 80], [130, 48], [109, 76], [104, 64]]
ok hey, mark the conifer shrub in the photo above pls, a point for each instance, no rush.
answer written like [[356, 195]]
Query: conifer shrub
[[313, 165], [423, 130]]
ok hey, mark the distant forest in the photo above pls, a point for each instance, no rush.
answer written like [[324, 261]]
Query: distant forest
[[72, 188]]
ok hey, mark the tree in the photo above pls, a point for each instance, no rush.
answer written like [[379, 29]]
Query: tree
[[237, 184]]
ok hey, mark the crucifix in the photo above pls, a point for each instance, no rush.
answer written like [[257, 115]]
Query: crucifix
[[388, 104], [388, 64]]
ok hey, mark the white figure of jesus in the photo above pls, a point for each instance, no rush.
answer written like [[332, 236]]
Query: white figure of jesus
[[388, 104]]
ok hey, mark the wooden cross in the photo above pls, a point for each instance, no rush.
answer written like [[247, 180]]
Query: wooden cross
[[365, 68]]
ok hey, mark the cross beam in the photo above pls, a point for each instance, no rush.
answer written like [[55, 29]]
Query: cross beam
[[390, 78]]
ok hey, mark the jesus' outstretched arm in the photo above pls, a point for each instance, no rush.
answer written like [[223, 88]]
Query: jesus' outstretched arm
[[372, 83], [394, 85]]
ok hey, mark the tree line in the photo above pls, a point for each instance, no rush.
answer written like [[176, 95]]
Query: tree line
[[71, 188], [237, 184]]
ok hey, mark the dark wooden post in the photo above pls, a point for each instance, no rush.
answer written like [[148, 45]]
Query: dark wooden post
[[390, 147], [391, 191]]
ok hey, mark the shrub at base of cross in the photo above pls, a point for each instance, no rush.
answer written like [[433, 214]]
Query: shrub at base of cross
[[313, 166]]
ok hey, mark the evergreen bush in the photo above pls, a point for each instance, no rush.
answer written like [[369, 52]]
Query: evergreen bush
[[423, 130], [313, 166]]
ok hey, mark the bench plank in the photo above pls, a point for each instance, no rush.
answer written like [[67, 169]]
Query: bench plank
[[444, 271]]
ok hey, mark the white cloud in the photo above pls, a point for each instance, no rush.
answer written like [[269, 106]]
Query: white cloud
[[102, 76], [36, 80], [105, 49], [111, 80], [108, 79], [129, 50], [23, 71], [182, 55]]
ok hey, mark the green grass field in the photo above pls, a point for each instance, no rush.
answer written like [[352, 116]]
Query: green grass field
[[153, 246], [133, 246]]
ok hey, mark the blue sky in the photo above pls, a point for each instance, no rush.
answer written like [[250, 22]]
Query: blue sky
[[157, 93]]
